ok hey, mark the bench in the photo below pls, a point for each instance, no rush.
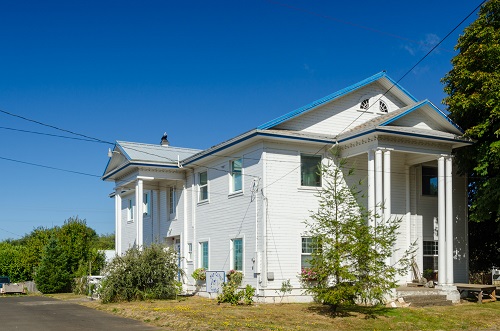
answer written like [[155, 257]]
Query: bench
[[478, 290]]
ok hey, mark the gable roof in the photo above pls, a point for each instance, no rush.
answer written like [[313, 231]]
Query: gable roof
[[382, 124], [139, 154], [380, 77]]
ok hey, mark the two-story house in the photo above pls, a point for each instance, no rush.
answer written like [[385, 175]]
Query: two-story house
[[241, 204]]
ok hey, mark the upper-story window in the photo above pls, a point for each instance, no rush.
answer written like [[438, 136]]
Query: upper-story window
[[172, 201], [130, 211], [429, 181], [203, 185], [383, 106], [309, 170], [236, 175], [146, 208], [365, 104]]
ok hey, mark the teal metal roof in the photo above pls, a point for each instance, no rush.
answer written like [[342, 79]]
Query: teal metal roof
[[332, 97]]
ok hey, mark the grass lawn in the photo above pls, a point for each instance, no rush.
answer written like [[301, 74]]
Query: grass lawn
[[195, 313]]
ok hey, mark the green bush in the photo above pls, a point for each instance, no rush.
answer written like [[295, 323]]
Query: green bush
[[230, 293], [139, 275], [52, 275]]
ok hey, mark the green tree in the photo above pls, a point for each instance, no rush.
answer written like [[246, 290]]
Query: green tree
[[106, 241], [35, 244], [150, 273], [349, 262], [473, 88], [52, 275], [77, 240], [12, 262]]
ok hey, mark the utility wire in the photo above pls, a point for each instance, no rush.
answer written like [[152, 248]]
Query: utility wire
[[415, 65], [49, 167], [53, 135], [53, 126]]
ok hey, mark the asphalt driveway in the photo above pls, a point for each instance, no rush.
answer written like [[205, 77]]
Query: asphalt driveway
[[30, 313]]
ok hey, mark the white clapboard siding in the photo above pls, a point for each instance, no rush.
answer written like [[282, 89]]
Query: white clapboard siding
[[338, 116]]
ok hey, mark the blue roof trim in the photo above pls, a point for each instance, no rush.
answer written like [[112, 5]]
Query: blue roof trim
[[331, 97], [419, 105], [138, 164], [394, 83], [259, 134]]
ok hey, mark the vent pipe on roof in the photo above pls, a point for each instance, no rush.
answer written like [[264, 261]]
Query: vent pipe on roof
[[164, 140]]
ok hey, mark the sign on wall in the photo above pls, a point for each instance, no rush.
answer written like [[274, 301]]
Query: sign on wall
[[214, 281]]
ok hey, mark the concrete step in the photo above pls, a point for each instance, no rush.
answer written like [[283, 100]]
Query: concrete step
[[427, 300]]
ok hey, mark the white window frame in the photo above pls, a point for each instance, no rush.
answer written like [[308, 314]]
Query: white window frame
[[232, 175], [301, 182], [307, 253], [200, 259], [130, 210], [172, 202], [190, 252], [202, 187], [233, 254], [146, 203]]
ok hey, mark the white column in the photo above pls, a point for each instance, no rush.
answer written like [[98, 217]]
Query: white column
[[371, 185], [449, 221], [408, 212], [139, 213], [442, 277], [378, 185], [387, 185], [118, 222]]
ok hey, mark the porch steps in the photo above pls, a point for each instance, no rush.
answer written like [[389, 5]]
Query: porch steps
[[422, 297]]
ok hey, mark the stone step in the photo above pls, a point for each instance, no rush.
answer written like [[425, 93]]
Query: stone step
[[427, 300]]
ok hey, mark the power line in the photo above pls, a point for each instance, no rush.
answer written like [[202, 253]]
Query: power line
[[53, 135], [49, 167], [415, 65], [53, 126]]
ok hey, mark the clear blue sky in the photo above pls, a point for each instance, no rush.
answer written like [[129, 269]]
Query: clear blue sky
[[203, 71]]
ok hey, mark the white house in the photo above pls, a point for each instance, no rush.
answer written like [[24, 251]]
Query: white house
[[242, 203]]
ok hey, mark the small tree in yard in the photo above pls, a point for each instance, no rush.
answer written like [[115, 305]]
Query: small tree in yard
[[150, 273], [52, 275], [350, 256]]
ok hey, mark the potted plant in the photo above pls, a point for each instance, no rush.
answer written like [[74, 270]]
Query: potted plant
[[200, 274], [235, 277]]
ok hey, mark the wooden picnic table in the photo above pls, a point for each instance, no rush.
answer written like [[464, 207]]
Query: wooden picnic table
[[479, 290]]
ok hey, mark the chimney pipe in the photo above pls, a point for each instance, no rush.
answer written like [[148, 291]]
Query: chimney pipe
[[164, 140]]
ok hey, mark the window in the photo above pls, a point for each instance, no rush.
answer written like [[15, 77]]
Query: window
[[146, 203], [308, 247], [236, 178], [382, 106], [430, 255], [237, 260], [130, 211], [309, 169], [190, 252], [429, 181], [204, 254], [203, 184], [365, 104], [172, 201]]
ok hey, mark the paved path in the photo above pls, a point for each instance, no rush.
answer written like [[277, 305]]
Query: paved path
[[31, 313]]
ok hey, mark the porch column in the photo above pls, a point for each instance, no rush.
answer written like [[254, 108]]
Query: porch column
[[387, 185], [442, 276], [118, 221], [449, 221], [371, 186], [378, 186], [408, 212], [139, 214]]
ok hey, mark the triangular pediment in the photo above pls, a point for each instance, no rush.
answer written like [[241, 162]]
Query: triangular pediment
[[331, 114]]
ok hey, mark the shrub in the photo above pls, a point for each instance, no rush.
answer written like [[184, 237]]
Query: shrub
[[138, 275], [199, 274], [230, 293], [235, 276]]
